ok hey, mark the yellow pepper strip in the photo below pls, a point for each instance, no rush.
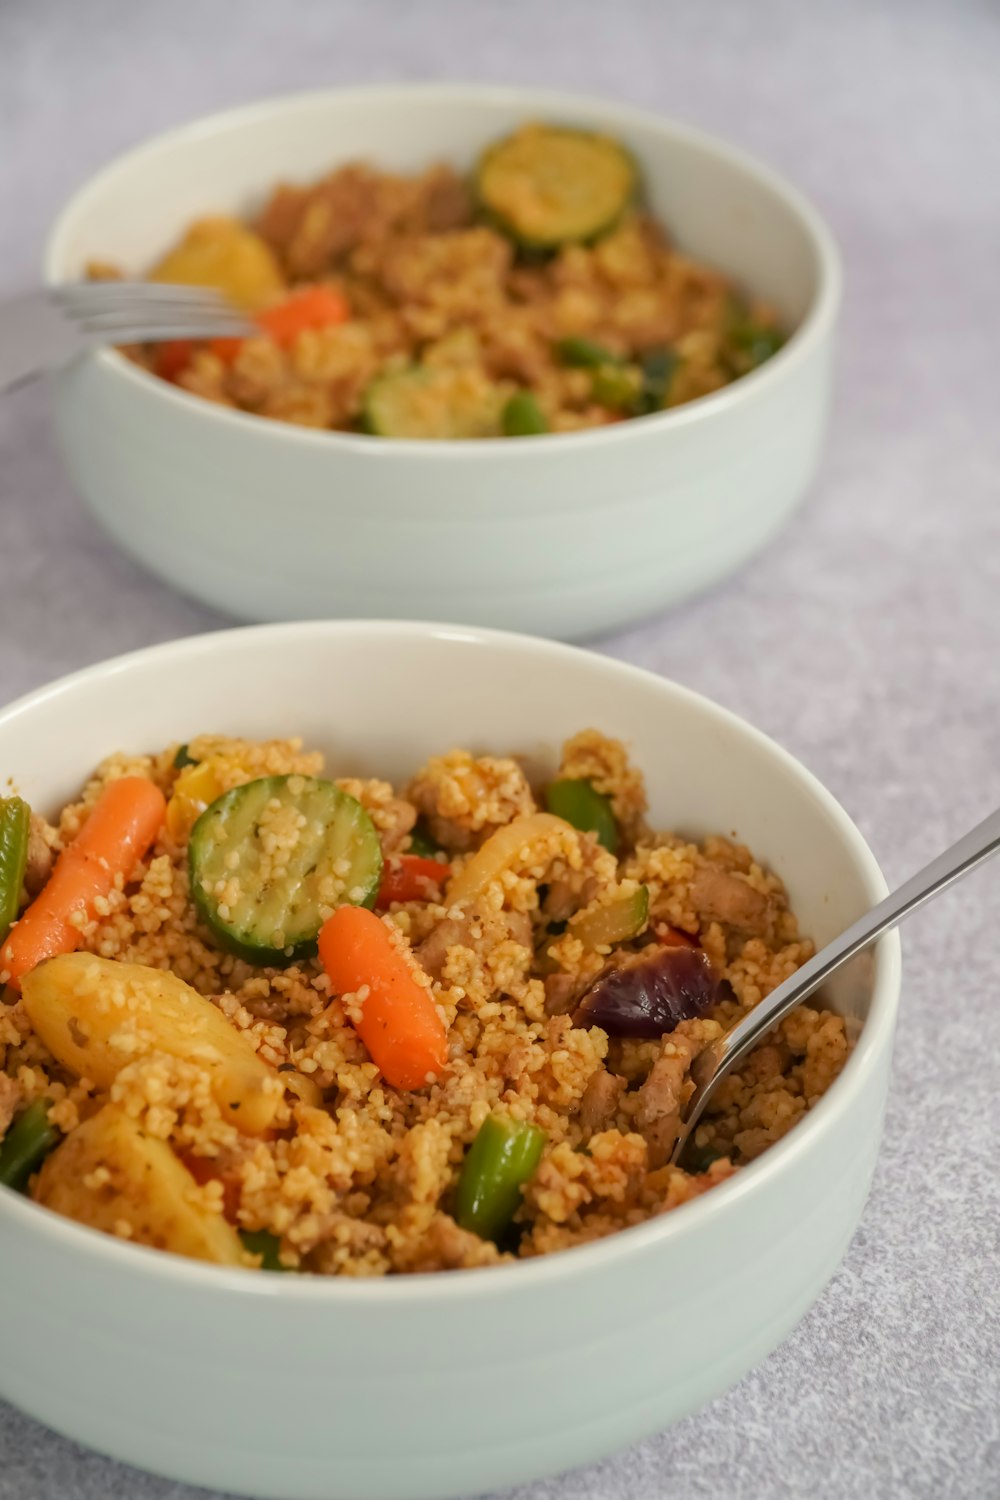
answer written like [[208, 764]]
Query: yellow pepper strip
[[194, 789], [509, 846]]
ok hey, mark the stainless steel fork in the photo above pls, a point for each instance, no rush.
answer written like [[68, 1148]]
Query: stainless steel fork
[[45, 329], [720, 1057]]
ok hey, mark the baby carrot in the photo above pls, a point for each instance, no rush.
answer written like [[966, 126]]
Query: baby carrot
[[399, 1023], [313, 307], [118, 832], [226, 349]]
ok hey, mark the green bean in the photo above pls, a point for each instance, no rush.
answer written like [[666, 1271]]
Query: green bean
[[617, 386], [584, 354], [658, 366], [523, 417], [265, 1244], [759, 343], [15, 828], [26, 1145], [749, 343], [501, 1160]]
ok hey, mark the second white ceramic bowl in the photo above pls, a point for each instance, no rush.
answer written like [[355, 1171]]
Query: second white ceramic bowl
[[565, 535], [427, 1387]]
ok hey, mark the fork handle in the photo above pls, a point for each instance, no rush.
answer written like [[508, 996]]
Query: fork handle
[[33, 339], [21, 372]]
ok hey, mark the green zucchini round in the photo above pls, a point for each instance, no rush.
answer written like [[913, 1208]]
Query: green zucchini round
[[270, 860], [434, 401], [547, 186]]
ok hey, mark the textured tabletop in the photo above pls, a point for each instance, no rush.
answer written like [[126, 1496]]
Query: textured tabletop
[[867, 640]]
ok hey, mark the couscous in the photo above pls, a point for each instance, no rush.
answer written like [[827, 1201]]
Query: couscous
[[264, 1016], [538, 294]]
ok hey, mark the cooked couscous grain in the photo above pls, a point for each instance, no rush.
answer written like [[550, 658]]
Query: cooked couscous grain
[[414, 306], [350, 1175]]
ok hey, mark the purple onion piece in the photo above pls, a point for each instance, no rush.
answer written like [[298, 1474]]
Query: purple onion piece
[[647, 997]]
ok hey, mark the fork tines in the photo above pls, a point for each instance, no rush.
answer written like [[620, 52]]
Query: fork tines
[[115, 307]]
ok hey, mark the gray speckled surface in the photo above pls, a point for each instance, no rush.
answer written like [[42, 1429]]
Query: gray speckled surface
[[867, 640]]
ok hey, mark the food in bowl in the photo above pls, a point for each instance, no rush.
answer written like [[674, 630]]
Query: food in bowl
[[537, 295], [260, 1017], [575, 536]]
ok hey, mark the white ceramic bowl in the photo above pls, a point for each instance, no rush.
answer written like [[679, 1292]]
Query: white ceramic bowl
[[567, 536], [451, 1384]]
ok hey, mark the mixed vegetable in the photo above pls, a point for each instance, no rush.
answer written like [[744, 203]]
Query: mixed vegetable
[[502, 1159], [397, 1019], [547, 193], [118, 833], [271, 859], [547, 187], [283, 868], [15, 825], [26, 1145]]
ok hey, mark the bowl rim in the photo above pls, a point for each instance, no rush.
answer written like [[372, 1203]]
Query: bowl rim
[[812, 329], [578, 1260]]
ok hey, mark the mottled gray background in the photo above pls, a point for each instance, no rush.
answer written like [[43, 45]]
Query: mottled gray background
[[867, 640]]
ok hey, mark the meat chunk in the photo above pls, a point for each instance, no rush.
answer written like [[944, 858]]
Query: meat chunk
[[480, 934], [281, 215], [459, 273], [313, 229], [660, 1099], [566, 895], [447, 202], [599, 1103], [519, 927], [400, 817], [465, 798], [560, 994], [41, 855], [447, 1247], [718, 896], [433, 951]]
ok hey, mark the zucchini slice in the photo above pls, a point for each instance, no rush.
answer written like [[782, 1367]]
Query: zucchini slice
[[547, 185], [439, 401], [269, 861]]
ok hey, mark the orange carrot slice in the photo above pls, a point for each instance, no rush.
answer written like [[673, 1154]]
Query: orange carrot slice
[[313, 307], [226, 349], [118, 833], [398, 1023]]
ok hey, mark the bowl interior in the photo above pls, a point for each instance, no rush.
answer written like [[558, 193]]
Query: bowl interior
[[380, 697], [718, 205]]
